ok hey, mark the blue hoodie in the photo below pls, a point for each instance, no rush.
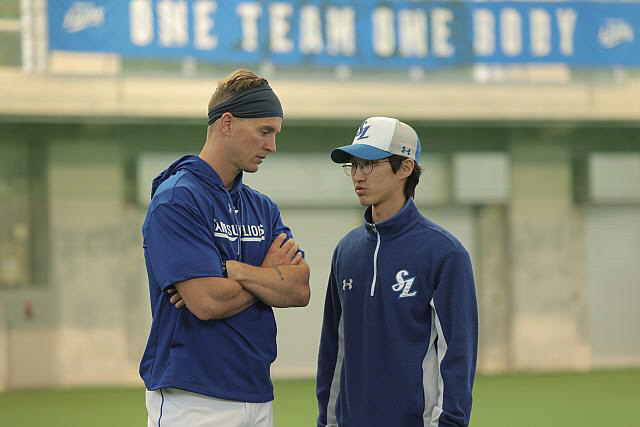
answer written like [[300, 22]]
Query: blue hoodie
[[399, 335], [192, 224]]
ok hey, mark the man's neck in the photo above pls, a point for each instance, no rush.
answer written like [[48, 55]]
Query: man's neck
[[218, 163], [385, 210]]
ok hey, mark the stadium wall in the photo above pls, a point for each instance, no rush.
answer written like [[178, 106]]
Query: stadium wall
[[535, 167], [519, 196]]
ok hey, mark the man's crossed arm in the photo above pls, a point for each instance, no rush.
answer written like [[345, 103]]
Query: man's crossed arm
[[281, 281]]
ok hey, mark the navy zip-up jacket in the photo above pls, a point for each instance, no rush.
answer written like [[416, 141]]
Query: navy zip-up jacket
[[399, 335], [192, 224]]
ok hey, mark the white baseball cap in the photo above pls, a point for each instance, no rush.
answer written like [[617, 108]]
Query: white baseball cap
[[378, 138]]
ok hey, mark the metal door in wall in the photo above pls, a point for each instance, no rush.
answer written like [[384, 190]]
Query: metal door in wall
[[4, 352], [613, 274]]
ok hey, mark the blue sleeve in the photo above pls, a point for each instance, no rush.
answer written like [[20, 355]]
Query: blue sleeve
[[330, 355], [179, 245], [456, 321]]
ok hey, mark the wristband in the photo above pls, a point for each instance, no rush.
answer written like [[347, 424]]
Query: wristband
[[224, 269]]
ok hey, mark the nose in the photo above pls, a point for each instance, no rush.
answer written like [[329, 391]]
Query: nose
[[271, 144], [358, 176]]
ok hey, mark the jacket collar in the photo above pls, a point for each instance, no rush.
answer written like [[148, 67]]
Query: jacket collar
[[201, 169], [398, 224], [237, 185], [209, 174]]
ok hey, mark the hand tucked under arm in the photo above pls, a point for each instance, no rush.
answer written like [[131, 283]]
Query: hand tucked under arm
[[211, 297]]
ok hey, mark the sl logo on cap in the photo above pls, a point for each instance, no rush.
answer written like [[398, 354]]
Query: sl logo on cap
[[362, 131]]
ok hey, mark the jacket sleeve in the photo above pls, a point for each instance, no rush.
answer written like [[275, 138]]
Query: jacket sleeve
[[178, 245], [330, 355], [455, 315]]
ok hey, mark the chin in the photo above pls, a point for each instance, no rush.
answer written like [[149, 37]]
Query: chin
[[363, 201]]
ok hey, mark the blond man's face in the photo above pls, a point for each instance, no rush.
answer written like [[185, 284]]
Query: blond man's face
[[252, 140]]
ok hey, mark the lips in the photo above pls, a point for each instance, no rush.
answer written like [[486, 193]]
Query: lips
[[360, 190]]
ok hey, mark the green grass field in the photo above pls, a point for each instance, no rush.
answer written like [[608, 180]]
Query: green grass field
[[603, 399]]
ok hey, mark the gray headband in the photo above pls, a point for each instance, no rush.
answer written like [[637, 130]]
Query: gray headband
[[250, 104]]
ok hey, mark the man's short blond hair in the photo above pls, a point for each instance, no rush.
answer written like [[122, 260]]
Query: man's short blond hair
[[238, 81]]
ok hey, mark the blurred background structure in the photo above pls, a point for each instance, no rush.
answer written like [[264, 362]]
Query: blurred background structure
[[528, 114]]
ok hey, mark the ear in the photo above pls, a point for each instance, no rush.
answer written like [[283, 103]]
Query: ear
[[406, 168], [226, 122]]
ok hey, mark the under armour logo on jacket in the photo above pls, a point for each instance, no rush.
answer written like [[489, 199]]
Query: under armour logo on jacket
[[403, 284], [347, 284]]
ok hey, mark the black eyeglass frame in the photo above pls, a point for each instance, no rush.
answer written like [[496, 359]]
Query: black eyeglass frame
[[350, 168]]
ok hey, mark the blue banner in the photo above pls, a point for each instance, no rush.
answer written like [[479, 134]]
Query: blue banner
[[367, 34]]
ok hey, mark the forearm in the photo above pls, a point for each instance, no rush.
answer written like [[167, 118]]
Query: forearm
[[232, 301], [214, 298], [279, 286]]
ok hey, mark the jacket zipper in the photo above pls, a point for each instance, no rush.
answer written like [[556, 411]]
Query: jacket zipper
[[375, 261]]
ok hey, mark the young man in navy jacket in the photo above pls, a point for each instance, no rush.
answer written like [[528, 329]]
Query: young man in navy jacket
[[399, 335], [220, 248]]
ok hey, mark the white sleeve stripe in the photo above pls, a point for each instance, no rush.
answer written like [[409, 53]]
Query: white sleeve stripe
[[432, 382], [335, 382], [429, 376]]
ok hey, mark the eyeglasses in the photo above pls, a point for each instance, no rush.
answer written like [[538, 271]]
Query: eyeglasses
[[366, 167]]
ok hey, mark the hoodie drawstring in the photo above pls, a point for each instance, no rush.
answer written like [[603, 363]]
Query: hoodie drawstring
[[235, 216]]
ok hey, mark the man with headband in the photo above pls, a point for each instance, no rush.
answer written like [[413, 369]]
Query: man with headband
[[219, 251]]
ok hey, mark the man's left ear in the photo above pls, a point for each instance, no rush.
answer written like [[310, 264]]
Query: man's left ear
[[407, 167]]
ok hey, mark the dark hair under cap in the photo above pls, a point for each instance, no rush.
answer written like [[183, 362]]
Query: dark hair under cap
[[254, 103]]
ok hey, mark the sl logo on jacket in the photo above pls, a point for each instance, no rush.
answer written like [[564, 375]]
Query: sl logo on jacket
[[403, 284]]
